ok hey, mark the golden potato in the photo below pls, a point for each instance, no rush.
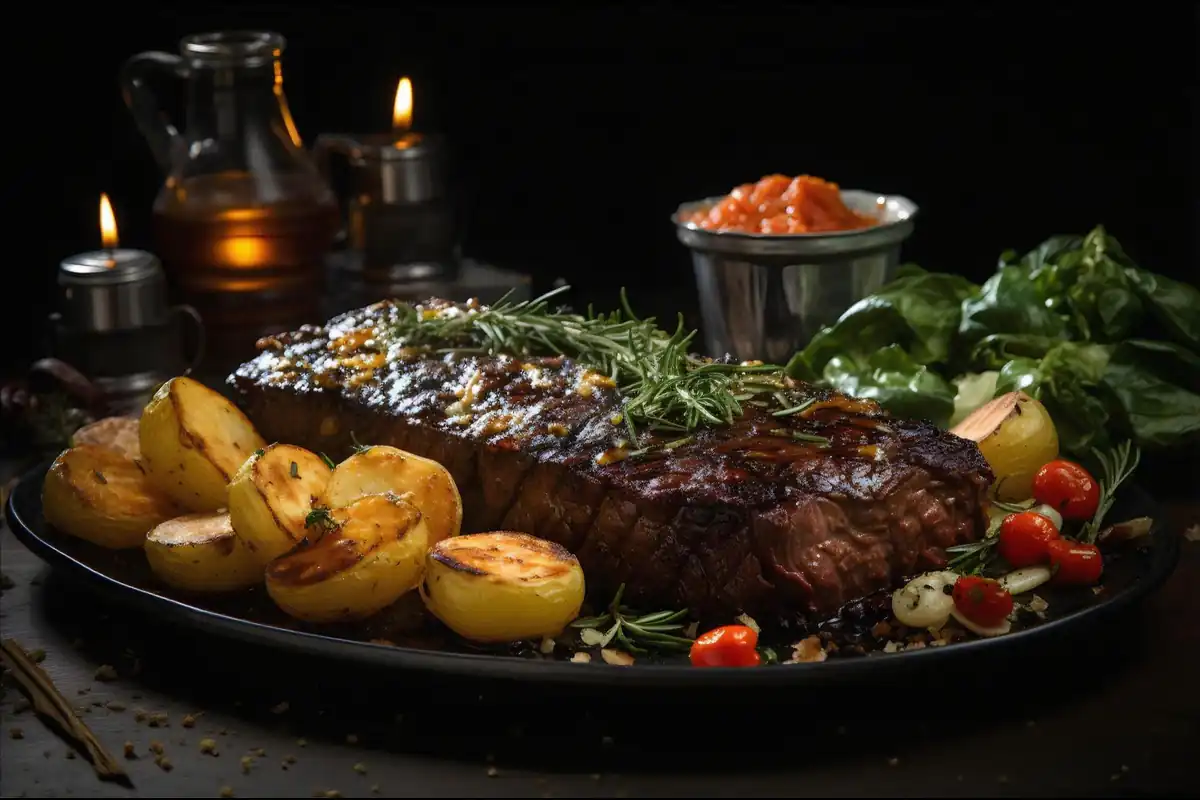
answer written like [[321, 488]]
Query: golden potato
[[502, 586], [193, 440], [371, 553], [201, 553], [272, 494], [115, 433], [102, 496], [1017, 437], [374, 470]]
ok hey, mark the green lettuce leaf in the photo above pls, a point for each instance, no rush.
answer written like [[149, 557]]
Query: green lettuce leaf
[[892, 378]]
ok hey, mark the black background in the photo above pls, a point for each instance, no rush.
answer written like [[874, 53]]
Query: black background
[[576, 133]]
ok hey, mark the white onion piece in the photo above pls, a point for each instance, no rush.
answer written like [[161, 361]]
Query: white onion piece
[[1001, 629], [923, 601], [1026, 579], [1050, 513]]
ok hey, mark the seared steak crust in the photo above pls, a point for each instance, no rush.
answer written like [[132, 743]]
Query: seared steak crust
[[729, 519]]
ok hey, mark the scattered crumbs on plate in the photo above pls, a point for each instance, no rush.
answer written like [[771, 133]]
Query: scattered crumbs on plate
[[581, 658], [375, 788], [106, 672], [164, 763], [115, 705], [16, 733], [189, 720], [302, 742], [209, 747], [492, 771], [258, 752], [360, 768], [247, 762], [37, 656], [226, 791]]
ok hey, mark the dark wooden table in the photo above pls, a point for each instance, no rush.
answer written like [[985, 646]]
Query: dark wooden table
[[1113, 711]]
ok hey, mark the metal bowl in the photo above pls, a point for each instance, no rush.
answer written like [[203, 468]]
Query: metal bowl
[[763, 296]]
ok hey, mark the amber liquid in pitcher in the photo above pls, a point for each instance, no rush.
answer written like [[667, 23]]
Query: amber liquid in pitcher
[[251, 268]]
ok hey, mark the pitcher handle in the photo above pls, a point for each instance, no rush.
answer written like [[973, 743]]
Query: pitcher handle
[[198, 326], [326, 146], [162, 136]]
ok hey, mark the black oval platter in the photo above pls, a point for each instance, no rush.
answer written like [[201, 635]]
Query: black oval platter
[[124, 577]]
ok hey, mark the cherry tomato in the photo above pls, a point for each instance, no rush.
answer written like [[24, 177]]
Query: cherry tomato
[[728, 646], [1075, 562], [982, 600], [1023, 538], [1067, 487]]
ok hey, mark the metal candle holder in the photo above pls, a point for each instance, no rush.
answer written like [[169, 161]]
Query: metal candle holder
[[400, 219], [115, 326]]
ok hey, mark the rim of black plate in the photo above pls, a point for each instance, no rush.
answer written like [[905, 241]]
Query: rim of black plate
[[25, 500]]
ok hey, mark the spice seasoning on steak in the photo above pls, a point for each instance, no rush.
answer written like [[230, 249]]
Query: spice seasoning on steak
[[786, 515]]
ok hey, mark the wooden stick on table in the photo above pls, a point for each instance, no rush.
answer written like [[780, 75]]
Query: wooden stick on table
[[50, 703]]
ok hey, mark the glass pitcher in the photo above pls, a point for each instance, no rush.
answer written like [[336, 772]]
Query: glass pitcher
[[244, 214]]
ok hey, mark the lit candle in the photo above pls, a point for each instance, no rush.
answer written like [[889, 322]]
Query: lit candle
[[402, 110], [114, 322], [400, 214], [114, 287]]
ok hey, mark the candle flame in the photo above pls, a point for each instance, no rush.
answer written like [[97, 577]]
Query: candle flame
[[108, 224], [403, 108]]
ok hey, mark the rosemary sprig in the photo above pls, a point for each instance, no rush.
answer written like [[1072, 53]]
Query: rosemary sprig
[[975, 557], [664, 387], [1117, 466], [637, 633]]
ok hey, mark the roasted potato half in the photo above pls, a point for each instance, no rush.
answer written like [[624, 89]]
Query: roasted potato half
[[379, 469], [104, 497], [371, 553], [115, 433], [201, 553], [193, 440], [502, 586], [271, 495]]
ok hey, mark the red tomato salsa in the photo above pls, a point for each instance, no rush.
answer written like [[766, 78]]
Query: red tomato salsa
[[779, 204]]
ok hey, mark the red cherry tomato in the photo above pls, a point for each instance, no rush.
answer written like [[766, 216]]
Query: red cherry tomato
[[728, 646], [982, 600], [1075, 563], [1023, 538], [1067, 487]]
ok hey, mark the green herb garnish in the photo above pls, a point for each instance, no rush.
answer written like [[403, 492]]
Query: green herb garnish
[[637, 633], [99, 476], [359, 447], [801, 437], [319, 517], [259, 452], [328, 461], [664, 387], [294, 470], [1117, 466]]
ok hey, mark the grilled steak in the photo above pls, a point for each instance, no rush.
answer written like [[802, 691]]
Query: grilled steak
[[745, 518]]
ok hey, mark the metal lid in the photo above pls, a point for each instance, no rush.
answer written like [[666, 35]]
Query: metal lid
[[108, 268], [896, 213], [383, 146]]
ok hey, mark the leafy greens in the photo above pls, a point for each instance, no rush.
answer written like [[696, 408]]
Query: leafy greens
[[1111, 349]]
